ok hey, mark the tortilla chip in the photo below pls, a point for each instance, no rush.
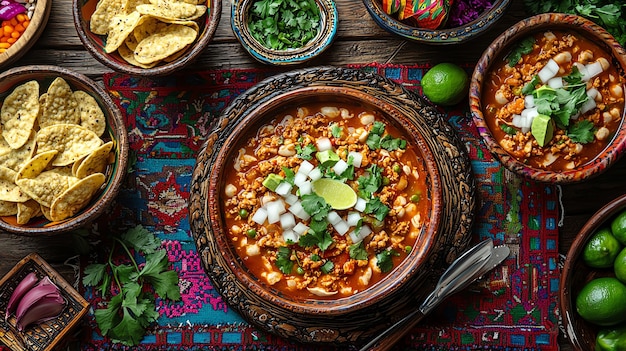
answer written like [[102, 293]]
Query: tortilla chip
[[164, 43], [16, 158], [96, 162], [59, 105], [19, 112], [9, 191], [76, 197], [72, 142], [45, 187], [8, 208], [27, 210], [121, 26], [37, 164], [90, 113]]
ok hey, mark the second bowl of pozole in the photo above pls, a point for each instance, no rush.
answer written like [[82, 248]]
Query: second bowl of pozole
[[548, 98]]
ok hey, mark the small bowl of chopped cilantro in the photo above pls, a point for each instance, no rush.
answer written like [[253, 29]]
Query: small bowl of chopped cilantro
[[280, 32], [440, 22], [547, 97]]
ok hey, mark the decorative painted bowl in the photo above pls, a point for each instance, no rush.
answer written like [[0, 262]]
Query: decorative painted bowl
[[407, 29], [357, 317], [575, 274], [50, 334], [329, 19], [497, 52], [95, 44], [30, 35], [115, 131]]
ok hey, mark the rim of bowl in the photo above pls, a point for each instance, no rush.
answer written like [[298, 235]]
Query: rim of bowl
[[366, 298], [596, 221], [31, 34], [212, 19], [329, 17], [444, 36], [558, 21], [115, 180]]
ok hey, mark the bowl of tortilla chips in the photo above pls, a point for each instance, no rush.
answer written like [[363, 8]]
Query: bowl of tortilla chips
[[146, 38], [63, 150]]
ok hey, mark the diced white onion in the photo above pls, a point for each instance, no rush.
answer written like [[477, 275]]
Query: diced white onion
[[305, 188], [517, 121], [529, 101], [548, 71], [274, 210], [315, 174], [306, 167], [353, 218], [259, 216], [588, 105], [283, 189], [299, 179], [287, 221], [592, 93], [291, 199], [555, 83], [323, 144], [363, 233], [290, 236], [360, 204], [530, 113], [581, 68], [341, 227], [592, 70], [357, 158], [340, 167], [299, 211], [300, 228], [333, 217]]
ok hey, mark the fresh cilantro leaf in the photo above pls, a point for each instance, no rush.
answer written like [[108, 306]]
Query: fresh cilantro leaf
[[357, 251], [582, 132], [317, 235], [290, 175], [523, 47], [315, 258], [283, 259], [336, 130], [389, 143], [305, 152], [164, 281], [109, 317], [384, 260], [370, 183], [377, 208], [327, 267], [508, 129], [140, 239], [530, 86], [376, 139], [94, 273], [315, 206]]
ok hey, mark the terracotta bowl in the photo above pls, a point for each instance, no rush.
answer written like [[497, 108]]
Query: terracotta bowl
[[329, 19], [115, 131], [30, 36], [407, 29], [498, 50], [575, 274], [360, 316], [83, 9]]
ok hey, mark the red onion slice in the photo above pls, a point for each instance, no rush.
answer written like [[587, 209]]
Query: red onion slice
[[11, 10]]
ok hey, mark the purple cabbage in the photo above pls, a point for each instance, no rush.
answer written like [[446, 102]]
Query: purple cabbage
[[9, 9], [463, 12]]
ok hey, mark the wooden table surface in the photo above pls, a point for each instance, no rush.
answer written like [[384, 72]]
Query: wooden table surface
[[359, 40]]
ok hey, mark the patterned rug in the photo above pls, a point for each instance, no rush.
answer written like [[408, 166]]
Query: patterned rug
[[515, 308]]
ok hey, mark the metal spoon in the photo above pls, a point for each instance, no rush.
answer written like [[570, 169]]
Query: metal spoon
[[468, 267]]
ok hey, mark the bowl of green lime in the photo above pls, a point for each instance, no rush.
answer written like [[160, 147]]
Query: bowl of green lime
[[593, 282], [286, 32]]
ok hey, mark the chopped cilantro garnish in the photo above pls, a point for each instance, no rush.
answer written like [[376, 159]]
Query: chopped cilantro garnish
[[306, 152], [582, 132], [315, 206], [524, 47], [377, 208], [336, 130], [321, 239], [327, 267], [315, 258], [384, 260], [283, 260], [358, 252], [508, 129], [377, 140], [290, 175], [371, 183]]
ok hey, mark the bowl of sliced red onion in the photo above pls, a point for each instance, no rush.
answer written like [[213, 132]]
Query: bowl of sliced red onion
[[436, 21], [22, 23]]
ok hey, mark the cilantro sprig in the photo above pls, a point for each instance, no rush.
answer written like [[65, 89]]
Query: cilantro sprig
[[132, 307]]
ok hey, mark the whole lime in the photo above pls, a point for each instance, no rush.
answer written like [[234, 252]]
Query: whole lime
[[619, 266], [602, 301], [618, 227], [601, 249], [445, 84]]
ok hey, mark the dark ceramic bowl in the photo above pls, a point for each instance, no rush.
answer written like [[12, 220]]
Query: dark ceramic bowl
[[575, 274], [443, 36], [115, 131], [501, 47], [329, 19], [30, 36], [353, 319], [83, 9], [49, 334]]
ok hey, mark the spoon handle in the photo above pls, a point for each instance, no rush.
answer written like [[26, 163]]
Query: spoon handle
[[387, 339]]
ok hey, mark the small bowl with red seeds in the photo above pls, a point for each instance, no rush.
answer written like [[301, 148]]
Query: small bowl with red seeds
[[22, 22]]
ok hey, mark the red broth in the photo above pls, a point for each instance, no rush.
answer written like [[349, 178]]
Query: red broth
[[578, 137], [325, 256]]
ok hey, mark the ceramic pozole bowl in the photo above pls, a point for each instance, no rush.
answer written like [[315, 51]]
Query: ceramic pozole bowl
[[276, 274], [577, 135]]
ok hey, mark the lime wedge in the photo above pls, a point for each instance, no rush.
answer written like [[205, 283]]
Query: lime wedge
[[542, 129], [338, 195]]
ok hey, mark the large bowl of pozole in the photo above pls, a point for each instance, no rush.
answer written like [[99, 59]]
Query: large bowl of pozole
[[326, 201], [547, 97]]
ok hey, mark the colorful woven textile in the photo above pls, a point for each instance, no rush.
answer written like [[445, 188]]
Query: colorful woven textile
[[167, 118]]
